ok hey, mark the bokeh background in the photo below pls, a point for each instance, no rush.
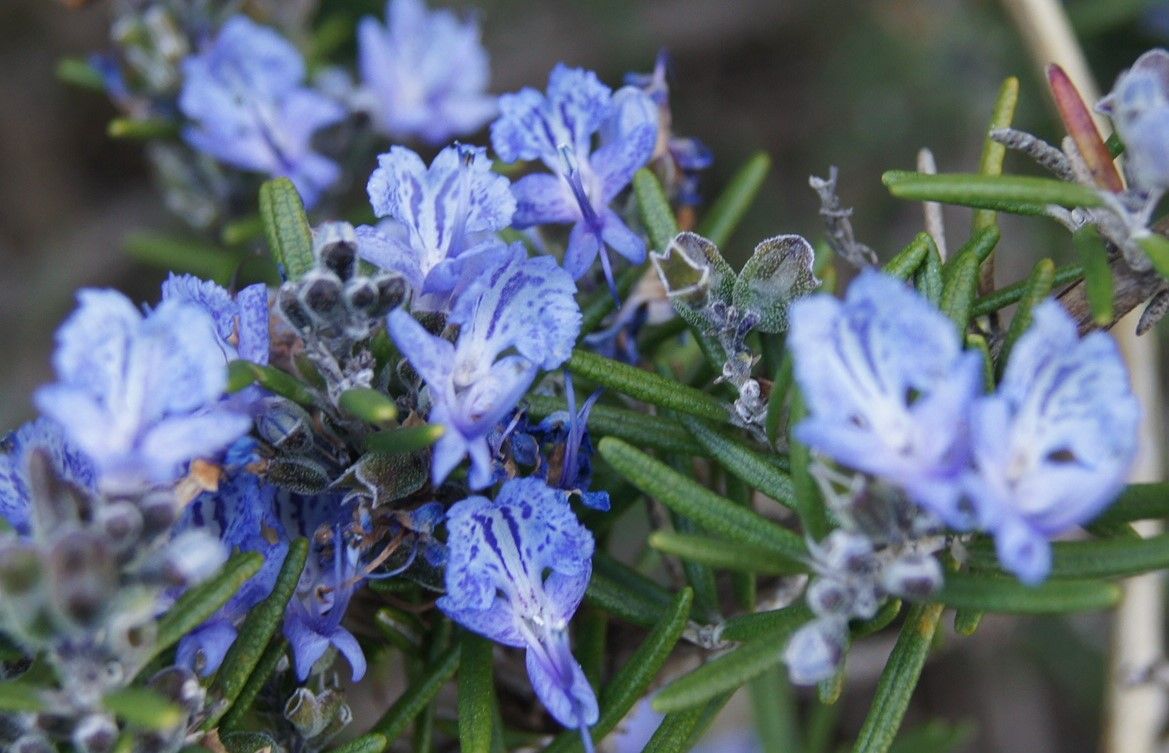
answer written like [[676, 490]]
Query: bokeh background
[[860, 85]]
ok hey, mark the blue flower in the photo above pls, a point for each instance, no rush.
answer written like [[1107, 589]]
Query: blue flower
[[515, 318], [517, 571], [241, 321], [444, 216], [244, 93], [425, 73], [140, 395], [888, 388], [242, 513], [567, 431], [1052, 447], [1139, 108], [558, 129], [69, 463], [678, 159]]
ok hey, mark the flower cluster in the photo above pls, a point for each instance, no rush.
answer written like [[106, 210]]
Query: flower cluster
[[384, 440]]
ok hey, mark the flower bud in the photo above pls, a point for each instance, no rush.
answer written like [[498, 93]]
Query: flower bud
[[335, 246], [912, 576], [96, 733], [816, 650]]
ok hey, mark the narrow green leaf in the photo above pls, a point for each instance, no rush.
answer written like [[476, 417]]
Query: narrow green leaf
[[654, 208], [1011, 294], [180, 254], [813, 512], [754, 468], [780, 388], [993, 153], [878, 622], [1156, 247], [595, 309], [722, 555], [683, 495], [775, 624], [476, 694], [261, 623], [1017, 194], [241, 231], [981, 244], [698, 575], [929, 275], [371, 743], [646, 386], [591, 640], [626, 593], [720, 675], [242, 373], [142, 129], [368, 404], [640, 429], [960, 289], [774, 709], [403, 629], [989, 593], [933, 737], [1038, 287], [20, 695], [286, 226], [144, 708], [899, 679], [1099, 558], [679, 731], [728, 210], [631, 681], [404, 440], [907, 261], [195, 606], [966, 621], [1138, 502], [1097, 274], [233, 719], [420, 693], [80, 73]]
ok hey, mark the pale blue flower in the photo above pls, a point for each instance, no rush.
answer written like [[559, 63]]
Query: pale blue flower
[[245, 95], [241, 320], [888, 388], [425, 73], [1053, 446], [445, 216], [515, 318], [67, 461], [517, 571], [140, 395], [1139, 108], [558, 128]]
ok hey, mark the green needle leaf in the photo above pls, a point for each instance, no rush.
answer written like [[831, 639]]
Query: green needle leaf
[[142, 129], [929, 276], [680, 730], [78, 72], [371, 743], [405, 440], [685, 496], [754, 468], [646, 386], [20, 695], [257, 629], [179, 254], [476, 694], [420, 693], [776, 624], [621, 591], [1138, 502], [1011, 294], [724, 674], [989, 593], [286, 227], [368, 404], [993, 153], [723, 556], [960, 289], [656, 214], [813, 513], [264, 668], [240, 374], [195, 606], [1097, 274], [1157, 249], [905, 264], [1017, 194], [631, 681], [899, 679], [1100, 558], [1039, 286], [728, 210], [144, 708]]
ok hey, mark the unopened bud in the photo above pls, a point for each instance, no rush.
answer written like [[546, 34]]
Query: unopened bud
[[816, 650]]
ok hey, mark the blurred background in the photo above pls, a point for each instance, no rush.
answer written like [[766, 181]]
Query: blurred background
[[859, 85]]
